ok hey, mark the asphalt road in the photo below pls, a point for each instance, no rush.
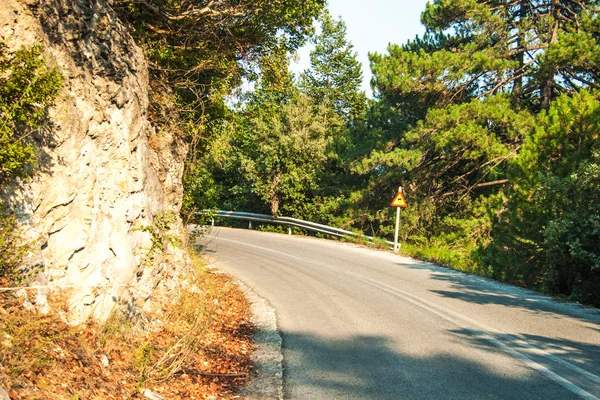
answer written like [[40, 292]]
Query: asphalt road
[[358, 323]]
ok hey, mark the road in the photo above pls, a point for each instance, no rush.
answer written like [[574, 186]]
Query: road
[[358, 323]]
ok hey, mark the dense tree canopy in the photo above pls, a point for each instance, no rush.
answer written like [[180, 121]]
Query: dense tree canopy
[[472, 96], [280, 145], [196, 46], [534, 50], [489, 121], [284, 154], [548, 234]]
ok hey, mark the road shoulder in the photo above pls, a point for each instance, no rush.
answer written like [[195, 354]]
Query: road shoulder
[[267, 358]]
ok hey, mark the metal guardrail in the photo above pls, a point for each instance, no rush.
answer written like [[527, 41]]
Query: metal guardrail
[[290, 222]]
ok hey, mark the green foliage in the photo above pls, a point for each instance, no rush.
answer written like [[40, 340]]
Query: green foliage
[[334, 82], [489, 121], [160, 235], [478, 49], [266, 156], [570, 250], [482, 120], [547, 235], [27, 88], [283, 153], [11, 251], [143, 360], [335, 75], [212, 181], [442, 254], [201, 49]]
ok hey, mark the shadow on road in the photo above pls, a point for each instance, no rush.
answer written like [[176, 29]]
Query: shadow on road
[[479, 290], [367, 367], [583, 355]]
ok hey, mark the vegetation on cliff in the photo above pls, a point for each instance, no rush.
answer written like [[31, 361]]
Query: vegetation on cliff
[[27, 88]]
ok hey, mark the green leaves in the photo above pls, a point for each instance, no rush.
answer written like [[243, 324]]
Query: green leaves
[[489, 121], [267, 154], [196, 47], [550, 223], [335, 76], [27, 88], [564, 136], [486, 121], [284, 152]]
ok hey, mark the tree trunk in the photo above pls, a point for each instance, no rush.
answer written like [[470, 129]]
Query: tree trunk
[[518, 84], [274, 195], [547, 87]]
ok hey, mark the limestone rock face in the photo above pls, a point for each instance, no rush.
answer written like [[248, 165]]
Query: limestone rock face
[[103, 205]]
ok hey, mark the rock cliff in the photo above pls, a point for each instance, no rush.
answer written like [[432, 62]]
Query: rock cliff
[[102, 208]]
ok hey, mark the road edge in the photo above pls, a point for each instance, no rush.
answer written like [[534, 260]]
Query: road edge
[[266, 381]]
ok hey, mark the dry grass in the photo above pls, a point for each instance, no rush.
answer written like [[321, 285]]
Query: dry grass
[[201, 352]]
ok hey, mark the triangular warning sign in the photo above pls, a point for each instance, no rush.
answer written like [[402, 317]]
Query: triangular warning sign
[[399, 201]]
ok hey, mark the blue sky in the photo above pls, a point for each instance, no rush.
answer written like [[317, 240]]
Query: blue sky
[[371, 25]]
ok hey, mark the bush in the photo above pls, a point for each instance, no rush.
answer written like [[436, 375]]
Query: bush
[[27, 88]]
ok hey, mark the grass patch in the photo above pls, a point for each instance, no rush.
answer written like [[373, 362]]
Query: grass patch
[[443, 255], [201, 350], [376, 243]]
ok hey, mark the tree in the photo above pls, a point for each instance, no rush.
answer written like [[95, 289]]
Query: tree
[[533, 49], [196, 46], [454, 109], [334, 81], [267, 154], [335, 75], [284, 152], [198, 51], [466, 92], [284, 138], [548, 233]]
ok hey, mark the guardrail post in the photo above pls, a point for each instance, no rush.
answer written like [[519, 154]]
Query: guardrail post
[[249, 224], [289, 229], [212, 222]]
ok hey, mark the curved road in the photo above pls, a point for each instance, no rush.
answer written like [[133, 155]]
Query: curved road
[[358, 323]]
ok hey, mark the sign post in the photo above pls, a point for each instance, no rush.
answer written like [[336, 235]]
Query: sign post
[[396, 247], [398, 202]]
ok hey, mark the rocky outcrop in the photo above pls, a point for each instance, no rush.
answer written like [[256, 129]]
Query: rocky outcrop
[[102, 208]]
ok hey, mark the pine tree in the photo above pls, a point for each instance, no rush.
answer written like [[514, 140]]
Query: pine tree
[[465, 86], [466, 96], [549, 233], [533, 49], [335, 76]]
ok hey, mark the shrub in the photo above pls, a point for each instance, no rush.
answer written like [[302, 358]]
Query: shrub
[[27, 88]]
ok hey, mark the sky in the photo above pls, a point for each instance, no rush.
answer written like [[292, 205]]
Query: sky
[[371, 25]]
